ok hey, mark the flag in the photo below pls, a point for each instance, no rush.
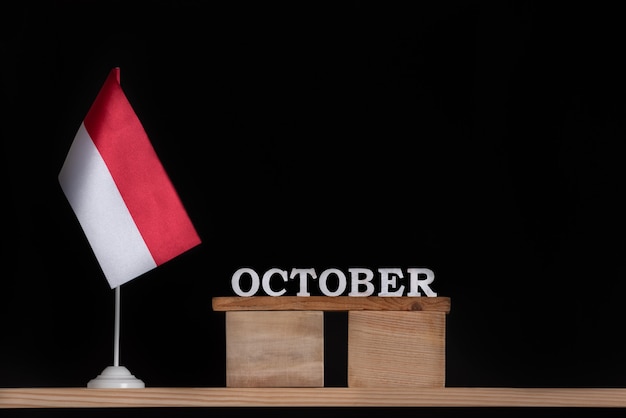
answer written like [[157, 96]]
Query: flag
[[124, 200]]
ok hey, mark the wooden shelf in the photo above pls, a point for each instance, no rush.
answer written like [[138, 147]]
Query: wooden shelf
[[311, 397]]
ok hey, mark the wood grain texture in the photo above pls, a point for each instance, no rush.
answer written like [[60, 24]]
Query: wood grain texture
[[275, 349], [396, 349], [327, 303], [311, 397]]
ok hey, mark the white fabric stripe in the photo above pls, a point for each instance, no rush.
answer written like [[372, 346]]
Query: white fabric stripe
[[102, 213]]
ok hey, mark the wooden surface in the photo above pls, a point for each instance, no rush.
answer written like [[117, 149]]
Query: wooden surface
[[310, 397], [396, 349], [275, 349], [327, 303]]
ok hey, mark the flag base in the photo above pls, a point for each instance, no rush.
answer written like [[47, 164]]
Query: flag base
[[115, 377]]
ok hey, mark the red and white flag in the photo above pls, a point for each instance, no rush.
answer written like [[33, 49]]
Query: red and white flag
[[124, 200]]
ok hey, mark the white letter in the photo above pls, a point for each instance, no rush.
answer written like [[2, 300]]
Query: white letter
[[266, 281], [366, 281], [341, 286], [416, 283], [386, 281], [303, 282], [254, 286]]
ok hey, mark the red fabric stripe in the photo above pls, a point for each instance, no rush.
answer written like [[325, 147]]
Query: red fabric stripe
[[141, 179]]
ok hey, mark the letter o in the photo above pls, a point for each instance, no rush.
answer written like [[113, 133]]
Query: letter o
[[341, 286], [254, 286]]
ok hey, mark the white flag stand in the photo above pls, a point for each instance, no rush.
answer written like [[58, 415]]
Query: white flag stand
[[116, 376]]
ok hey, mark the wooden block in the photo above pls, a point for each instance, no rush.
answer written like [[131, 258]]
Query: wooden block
[[325, 303], [274, 349], [396, 349]]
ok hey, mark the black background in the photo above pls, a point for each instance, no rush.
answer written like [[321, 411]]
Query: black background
[[483, 140]]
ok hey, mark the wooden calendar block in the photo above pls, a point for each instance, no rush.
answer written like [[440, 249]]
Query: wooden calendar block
[[396, 349], [274, 349]]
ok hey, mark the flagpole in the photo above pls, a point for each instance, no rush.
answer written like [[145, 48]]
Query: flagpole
[[116, 376], [116, 332]]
